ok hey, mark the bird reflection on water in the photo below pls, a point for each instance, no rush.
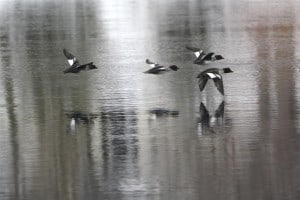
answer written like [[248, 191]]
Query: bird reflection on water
[[76, 118], [160, 112], [208, 123]]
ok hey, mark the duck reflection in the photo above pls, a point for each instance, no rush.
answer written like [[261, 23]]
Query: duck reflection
[[76, 118], [210, 123], [160, 112]]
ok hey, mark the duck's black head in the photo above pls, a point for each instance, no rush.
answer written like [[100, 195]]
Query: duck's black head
[[92, 66], [174, 67], [219, 57], [227, 70]]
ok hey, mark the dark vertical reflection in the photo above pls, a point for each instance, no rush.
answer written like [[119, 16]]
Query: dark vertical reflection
[[120, 151], [276, 81], [38, 93], [12, 117]]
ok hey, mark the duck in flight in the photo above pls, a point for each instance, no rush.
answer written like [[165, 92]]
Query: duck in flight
[[215, 75], [201, 56], [75, 66], [159, 69]]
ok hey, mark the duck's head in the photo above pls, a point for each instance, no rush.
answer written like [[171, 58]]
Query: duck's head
[[174, 67], [92, 66], [227, 70], [219, 57]]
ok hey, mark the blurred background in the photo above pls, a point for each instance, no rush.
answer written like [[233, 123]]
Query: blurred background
[[117, 133]]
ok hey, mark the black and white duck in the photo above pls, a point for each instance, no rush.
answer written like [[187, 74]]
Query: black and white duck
[[159, 69], [202, 57], [215, 75], [75, 66]]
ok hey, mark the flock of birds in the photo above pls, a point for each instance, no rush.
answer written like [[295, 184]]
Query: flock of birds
[[201, 58]]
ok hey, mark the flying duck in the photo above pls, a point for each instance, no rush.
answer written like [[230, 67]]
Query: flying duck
[[212, 73], [201, 56], [75, 66], [159, 69]]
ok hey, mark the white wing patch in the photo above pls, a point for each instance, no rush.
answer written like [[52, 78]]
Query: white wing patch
[[71, 61], [197, 53], [152, 65], [218, 76], [212, 75]]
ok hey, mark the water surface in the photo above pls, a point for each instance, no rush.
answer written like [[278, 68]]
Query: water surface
[[117, 133]]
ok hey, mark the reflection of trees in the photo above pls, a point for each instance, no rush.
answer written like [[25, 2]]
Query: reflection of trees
[[275, 55], [44, 161], [10, 100], [119, 144], [119, 131], [274, 35]]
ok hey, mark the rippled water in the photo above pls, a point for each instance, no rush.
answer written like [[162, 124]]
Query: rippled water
[[117, 133]]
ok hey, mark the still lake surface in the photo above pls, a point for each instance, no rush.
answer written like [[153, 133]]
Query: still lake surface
[[141, 136]]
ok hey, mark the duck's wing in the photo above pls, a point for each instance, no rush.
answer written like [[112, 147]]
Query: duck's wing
[[156, 70], [192, 48], [199, 61], [220, 111], [198, 52], [152, 64], [72, 60], [219, 83], [202, 80], [208, 56]]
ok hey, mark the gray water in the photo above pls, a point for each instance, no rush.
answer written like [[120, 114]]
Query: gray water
[[117, 133]]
